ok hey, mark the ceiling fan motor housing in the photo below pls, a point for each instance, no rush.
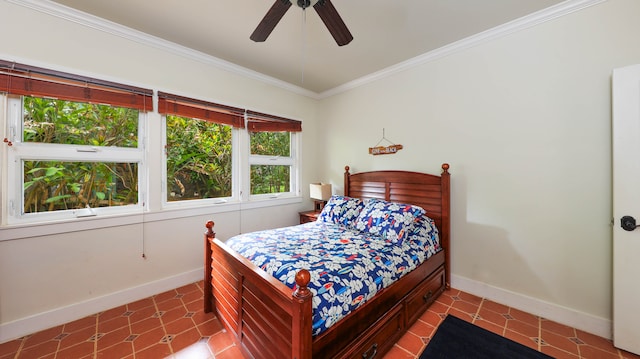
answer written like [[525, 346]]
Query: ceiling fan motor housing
[[306, 3]]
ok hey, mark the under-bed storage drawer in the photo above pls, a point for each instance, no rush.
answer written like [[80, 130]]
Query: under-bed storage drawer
[[424, 295], [380, 337]]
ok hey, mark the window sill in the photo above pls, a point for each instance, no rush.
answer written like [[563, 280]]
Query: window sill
[[19, 231]]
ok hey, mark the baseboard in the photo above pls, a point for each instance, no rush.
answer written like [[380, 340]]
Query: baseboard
[[45, 320], [586, 322]]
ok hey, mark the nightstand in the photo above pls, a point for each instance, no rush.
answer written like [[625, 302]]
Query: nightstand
[[308, 216]]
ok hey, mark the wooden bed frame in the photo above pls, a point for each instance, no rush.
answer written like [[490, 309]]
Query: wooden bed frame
[[267, 320]]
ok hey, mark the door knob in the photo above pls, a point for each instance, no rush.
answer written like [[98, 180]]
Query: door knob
[[628, 223]]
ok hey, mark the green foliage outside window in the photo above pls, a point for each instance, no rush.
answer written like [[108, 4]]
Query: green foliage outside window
[[270, 178], [60, 185], [199, 159]]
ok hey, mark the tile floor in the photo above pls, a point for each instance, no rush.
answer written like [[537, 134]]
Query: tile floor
[[173, 325]]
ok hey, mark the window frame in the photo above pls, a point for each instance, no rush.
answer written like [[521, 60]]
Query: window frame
[[20, 151]]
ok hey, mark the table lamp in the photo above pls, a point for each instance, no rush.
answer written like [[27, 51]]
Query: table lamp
[[320, 192]]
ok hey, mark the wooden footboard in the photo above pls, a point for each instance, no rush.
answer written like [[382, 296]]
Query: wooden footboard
[[267, 320]]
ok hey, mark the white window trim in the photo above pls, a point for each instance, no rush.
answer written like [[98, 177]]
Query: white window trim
[[20, 151]]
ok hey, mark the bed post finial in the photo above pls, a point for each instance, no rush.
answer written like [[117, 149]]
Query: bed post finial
[[303, 277], [445, 167], [210, 233]]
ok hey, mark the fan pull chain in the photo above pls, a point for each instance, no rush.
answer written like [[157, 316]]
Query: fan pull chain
[[303, 48]]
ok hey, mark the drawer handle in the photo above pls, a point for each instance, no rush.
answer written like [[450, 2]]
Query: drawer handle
[[371, 352], [427, 296]]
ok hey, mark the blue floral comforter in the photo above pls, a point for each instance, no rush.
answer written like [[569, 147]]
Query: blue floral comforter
[[347, 266]]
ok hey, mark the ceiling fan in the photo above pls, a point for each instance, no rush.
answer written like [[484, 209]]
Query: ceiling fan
[[325, 10]]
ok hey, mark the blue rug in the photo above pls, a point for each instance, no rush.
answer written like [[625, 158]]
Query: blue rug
[[458, 339]]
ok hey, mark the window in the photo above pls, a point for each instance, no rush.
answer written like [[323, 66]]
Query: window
[[198, 148], [75, 145], [198, 159], [272, 159], [202, 139]]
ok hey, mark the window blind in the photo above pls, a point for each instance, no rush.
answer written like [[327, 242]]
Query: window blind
[[26, 80], [260, 122], [169, 104]]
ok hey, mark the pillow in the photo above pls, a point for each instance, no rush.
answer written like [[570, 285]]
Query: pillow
[[341, 210], [392, 221]]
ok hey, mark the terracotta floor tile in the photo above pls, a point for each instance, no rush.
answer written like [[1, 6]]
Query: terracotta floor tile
[[148, 339], [493, 317], [180, 325], [460, 314], [465, 306], [145, 325], [560, 342], [210, 328], [77, 337], [142, 314], [170, 294], [557, 353], [230, 353], [112, 313], [590, 352], [139, 304], [10, 347], [112, 338], [398, 353], [411, 343], [43, 336], [76, 351], [174, 314], [492, 327], [522, 339], [185, 339], [627, 355], [80, 324], [170, 304], [470, 298], [191, 297], [522, 328], [155, 351], [524, 317], [39, 350], [201, 317], [422, 329], [555, 327], [220, 341], [431, 318], [596, 341], [496, 307], [113, 324], [120, 350]]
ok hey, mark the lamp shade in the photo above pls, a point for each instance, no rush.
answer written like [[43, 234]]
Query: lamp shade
[[320, 191]]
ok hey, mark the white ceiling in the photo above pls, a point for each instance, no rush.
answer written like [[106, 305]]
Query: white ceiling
[[300, 51]]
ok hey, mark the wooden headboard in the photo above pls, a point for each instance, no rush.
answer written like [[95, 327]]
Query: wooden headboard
[[431, 192]]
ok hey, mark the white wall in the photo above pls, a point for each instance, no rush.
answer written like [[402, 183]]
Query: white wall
[[45, 279], [525, 122]]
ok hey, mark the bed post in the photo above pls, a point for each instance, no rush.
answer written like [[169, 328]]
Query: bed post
[[209, 235], [302, 341], [346, 181], [446, 225]]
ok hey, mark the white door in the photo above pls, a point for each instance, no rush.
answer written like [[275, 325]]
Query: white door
[[626, 208]]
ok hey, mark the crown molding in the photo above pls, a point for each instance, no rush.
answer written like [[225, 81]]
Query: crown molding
[[69, 14], [100, 24], [537, 18]]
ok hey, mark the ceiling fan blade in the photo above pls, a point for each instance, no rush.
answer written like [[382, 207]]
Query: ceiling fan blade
[[270, 20], [333, 22]]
